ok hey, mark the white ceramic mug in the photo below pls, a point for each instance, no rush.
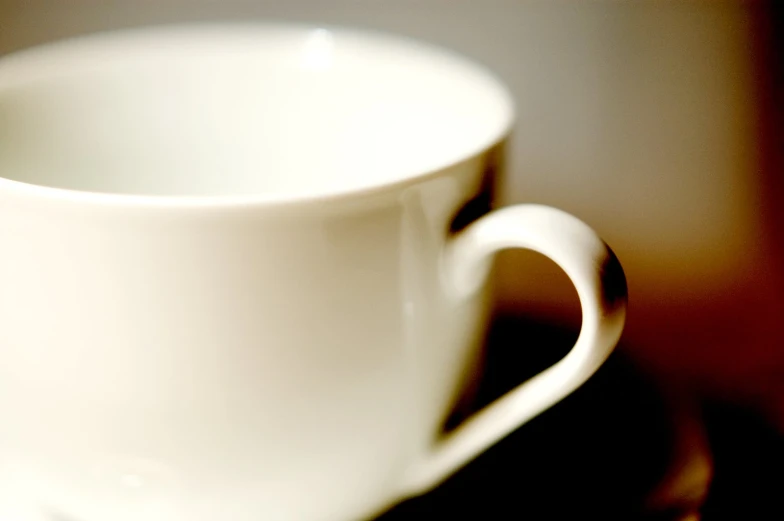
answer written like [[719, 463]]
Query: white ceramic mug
[[242, 273]]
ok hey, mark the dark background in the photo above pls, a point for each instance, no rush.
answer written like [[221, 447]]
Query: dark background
[[610, 450]]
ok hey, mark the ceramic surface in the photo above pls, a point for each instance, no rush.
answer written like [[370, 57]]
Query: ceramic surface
[[243, 273]]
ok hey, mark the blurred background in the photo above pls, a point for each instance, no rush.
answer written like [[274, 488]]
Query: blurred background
[[658, 123]]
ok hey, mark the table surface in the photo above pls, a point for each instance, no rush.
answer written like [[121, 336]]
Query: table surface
[[610, 450]]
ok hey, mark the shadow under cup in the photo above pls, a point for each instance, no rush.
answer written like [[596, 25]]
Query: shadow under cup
[[277, 113]]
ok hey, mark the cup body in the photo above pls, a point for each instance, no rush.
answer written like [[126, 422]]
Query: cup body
[[178, 348]]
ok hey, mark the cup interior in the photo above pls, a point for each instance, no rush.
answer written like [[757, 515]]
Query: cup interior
[[271, 110]]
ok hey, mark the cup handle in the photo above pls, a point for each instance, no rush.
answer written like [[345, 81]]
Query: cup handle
[[601, 286]]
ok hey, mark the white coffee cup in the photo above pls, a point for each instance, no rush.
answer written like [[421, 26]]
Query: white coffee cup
[[242, 273]]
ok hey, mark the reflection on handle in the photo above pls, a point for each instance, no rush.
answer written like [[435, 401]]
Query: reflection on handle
[[601, 288]]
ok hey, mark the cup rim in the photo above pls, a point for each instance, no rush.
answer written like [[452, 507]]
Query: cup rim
[[70, 47]]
